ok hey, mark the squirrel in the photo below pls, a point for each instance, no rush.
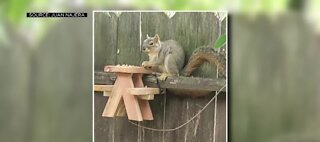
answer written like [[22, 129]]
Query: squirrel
[[167, 58]]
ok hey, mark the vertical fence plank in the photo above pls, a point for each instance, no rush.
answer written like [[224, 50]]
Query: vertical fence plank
[[220, 133], [105, 43], [128, 52], [155, 23]]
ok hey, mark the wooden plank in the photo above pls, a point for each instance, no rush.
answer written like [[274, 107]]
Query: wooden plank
[[174, 84], [143, 91], [106, 89], [103, 87], [152, 23], [193, 83], [138, 83], [145, 97], [127, 53], [126, 69], [221, 118], [145, 110], [205, 122], [105, 41], [106, 93], [103, 78], [207, 33], [102, 124]]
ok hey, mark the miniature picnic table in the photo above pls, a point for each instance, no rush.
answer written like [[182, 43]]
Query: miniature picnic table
[[128, 94]]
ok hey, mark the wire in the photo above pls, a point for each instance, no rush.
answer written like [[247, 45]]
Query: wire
[[182, 125]]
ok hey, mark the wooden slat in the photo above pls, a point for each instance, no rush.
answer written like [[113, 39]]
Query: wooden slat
[[141, 97], [173, 83], [106, 89], [145, 110], [146, 97], [106, 93], [143, 91], [126, 69], [105, 33], [103, 87], [127, 52]]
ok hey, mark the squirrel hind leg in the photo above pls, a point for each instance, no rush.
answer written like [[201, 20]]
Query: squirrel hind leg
[[171, 66]]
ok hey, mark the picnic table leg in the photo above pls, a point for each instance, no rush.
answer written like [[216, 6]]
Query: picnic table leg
[[144, 104], [131, 102], [114, 101]]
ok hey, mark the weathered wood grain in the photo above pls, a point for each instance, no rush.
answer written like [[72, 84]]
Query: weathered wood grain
[[103, 87], [152, 23], [105, 35], [221, 125], [105, 39], [126, 69], [143, 91], [175, 84], [127, 53]]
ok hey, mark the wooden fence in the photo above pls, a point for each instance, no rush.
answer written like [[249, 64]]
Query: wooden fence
[[117, 41]]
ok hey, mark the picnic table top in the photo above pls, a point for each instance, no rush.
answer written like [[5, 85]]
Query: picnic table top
[[126, 69]]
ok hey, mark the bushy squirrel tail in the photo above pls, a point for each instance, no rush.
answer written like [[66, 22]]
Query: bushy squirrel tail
[[206, 54]]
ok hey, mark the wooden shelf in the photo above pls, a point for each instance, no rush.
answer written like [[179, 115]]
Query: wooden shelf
[[185, 86]]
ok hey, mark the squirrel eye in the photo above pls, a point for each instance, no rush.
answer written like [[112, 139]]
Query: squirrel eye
[[151, 43]]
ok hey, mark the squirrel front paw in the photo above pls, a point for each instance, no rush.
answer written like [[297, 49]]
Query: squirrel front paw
[[146, 65], [163, 76]]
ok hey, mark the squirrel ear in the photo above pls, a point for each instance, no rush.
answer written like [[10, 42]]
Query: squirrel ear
[[148, 36], [156, 38]]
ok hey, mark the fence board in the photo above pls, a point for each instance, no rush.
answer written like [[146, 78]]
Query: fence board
[[105, 43], [152, 23], [128, 47]]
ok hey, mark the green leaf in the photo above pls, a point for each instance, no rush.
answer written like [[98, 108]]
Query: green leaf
[[220, 41], [17, 9]]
